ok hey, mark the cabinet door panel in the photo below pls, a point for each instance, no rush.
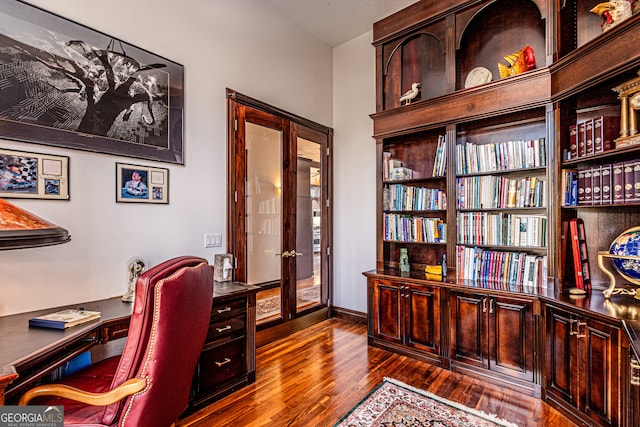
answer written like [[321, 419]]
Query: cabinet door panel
[[388, 308], [423, 319], [560, 349], [468, 335], [600, 360], [511, 337]]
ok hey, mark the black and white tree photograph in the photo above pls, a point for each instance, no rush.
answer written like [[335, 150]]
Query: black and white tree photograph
[[64, 84]]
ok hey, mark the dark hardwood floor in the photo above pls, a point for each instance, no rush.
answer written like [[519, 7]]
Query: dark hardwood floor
[[315, 376]]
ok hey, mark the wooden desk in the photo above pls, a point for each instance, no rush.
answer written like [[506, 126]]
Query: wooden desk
[[27, 354]]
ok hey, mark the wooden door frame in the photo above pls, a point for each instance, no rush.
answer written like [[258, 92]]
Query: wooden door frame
[[296, 126]]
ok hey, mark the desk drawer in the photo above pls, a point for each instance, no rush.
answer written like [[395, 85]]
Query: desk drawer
[[221, 363], [228, 309], [226, 327]]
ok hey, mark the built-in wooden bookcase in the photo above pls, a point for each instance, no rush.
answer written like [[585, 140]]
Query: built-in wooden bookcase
[[414, 207], [474, 326], [577, 65]]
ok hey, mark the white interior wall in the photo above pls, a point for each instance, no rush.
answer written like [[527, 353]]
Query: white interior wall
[[245, 45], [354, 165]]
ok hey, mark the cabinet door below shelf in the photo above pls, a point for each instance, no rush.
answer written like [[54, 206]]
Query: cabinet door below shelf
[[387, 310], [423, 318], [511, 337], [468, 332]]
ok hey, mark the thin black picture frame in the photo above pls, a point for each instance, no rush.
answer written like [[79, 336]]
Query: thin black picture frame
[[141, 184], [67, 85]]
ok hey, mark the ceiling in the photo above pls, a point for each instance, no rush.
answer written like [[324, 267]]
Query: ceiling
[[337, 21]]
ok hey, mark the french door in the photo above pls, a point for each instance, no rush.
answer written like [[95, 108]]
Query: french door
[[279, 210]]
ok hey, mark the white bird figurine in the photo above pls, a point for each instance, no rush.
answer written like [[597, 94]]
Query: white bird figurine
[[410, 94]]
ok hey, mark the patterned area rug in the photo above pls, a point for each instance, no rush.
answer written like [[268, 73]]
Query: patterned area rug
[[268, 307], [394, 403]]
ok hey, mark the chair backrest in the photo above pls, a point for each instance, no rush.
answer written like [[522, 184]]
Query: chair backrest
[[170, 318]]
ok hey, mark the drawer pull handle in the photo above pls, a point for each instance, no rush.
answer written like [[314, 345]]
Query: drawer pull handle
[[226, 328], [224, 310], [224, 362]]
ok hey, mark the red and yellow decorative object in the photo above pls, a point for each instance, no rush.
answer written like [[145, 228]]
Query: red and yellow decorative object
[[519, 62], [614, 12], [22, 229]]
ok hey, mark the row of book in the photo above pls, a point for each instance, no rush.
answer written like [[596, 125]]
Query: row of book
[[398, 197], [394, 169], [512, 271], [593, 136], [615, 183], [500, 156], [492, 192], [405, 228], [501, 229], [440, 163]]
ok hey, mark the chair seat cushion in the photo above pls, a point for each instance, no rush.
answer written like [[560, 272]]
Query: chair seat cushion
[[95, 378]]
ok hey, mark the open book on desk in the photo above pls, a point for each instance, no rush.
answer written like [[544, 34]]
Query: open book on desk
[[64, 319]]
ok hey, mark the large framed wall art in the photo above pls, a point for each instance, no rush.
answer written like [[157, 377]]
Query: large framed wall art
[[67, 85]]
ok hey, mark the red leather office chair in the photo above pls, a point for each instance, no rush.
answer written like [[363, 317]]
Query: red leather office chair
[[149, 384]]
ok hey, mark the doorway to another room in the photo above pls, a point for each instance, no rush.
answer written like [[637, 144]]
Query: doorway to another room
[[279, 213]]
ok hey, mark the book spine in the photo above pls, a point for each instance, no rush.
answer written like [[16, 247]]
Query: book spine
[[596, 185], [588, 137], [618, 182], [588, 187], [629, 193], [605, 186], [636, 181], [581, 183], [582, 147], [573, 142], [598, 146], [610, 131]]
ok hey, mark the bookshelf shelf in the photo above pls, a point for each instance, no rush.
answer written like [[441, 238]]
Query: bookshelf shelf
[[417, 212], [415, 181], [505, 172], [540, 209], [537, 249], [416, 243], [612, 154]]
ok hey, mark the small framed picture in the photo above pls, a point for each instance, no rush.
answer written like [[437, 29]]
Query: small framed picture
[[141, 184], [33, 175], [222, 267]]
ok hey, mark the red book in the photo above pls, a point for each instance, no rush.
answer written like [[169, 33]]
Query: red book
[[579, 252], [618, 183], [588, 137], [573, 142]]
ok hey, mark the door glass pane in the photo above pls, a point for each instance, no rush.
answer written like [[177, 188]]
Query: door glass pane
[[264, 216], [308, 225]]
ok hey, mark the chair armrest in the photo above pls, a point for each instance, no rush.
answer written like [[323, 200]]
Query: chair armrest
[[132, 386]]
